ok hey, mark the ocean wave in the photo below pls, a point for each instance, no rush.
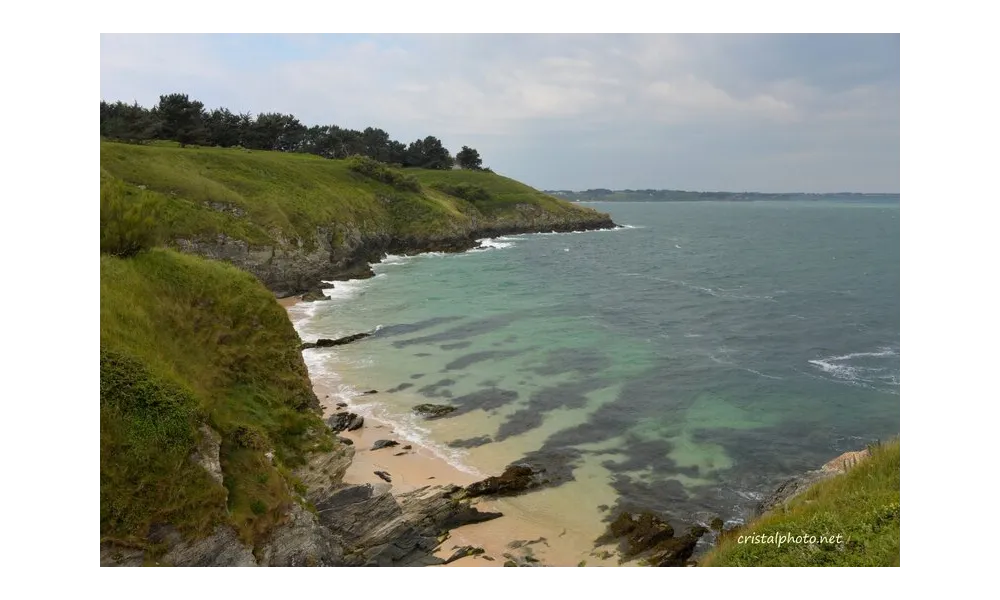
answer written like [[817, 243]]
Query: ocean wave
[[725, 293], [875, 370]]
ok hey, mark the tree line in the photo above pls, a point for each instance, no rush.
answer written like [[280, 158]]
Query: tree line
[[178, 118]]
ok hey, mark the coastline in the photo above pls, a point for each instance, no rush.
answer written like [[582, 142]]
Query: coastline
[[521, 530]]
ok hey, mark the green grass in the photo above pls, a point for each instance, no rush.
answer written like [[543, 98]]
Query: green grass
[[861, 505], [186, 341], [268, 198]]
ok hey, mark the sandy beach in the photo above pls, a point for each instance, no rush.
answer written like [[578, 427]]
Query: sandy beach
[[522, 530]]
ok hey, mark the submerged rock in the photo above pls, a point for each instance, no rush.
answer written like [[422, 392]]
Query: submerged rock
[[433, 411], [647, 536]]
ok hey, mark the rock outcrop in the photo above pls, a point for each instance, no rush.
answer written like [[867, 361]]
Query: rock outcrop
[[794, 486], [341, 252], [378, 529], [314, 295], [206, 453]]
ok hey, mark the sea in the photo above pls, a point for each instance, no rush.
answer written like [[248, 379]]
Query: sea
[[686, 363]]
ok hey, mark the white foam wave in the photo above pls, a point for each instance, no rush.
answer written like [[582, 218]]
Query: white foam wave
[[395, 259], [494, 243], [323, 371], [869, 374], [411, 428]]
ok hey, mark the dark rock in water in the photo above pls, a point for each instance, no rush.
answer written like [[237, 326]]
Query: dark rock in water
[[408, 447], [370, 392], [400, 387], [471, 442], [514, 480], [384, 444], [433, 411], [649, 537], [326, 343], [314, 295], [400, 453], [341, 405], [384, 475], [603, 507], [717, 524], [416, 375], [347, 441], [357, 422], [463, 552]]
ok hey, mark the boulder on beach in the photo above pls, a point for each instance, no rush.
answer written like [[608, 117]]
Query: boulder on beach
[[379, 444], [345, 421], [384, 476]]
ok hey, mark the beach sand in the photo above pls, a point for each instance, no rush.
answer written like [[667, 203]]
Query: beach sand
[[523, 524]]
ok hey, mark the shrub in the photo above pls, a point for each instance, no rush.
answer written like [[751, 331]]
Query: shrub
[[465, 191], [373, 169], [128, 220], [248, 436]]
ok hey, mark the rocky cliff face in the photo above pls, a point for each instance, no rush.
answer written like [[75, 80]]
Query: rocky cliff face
[[289, 267], [335, 524]]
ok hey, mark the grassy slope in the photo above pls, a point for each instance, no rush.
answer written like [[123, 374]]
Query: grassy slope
[[186, 341], [291, 195], [862, 504]]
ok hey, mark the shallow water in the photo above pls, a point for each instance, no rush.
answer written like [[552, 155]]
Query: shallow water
[[685, 364]]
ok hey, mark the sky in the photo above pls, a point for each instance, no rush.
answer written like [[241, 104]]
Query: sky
[[729, 112]]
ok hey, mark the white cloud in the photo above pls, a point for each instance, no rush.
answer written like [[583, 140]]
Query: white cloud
[[509, 91]]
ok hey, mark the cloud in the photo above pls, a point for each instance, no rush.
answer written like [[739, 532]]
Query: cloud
[[782, 112]]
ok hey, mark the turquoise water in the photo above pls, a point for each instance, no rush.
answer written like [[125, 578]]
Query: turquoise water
[[685, 364]]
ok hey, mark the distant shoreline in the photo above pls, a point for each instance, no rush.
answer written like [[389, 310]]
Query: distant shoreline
[[605, 195]]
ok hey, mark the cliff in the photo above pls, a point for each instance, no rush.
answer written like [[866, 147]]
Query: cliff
[[213, 452], [293, 220]]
